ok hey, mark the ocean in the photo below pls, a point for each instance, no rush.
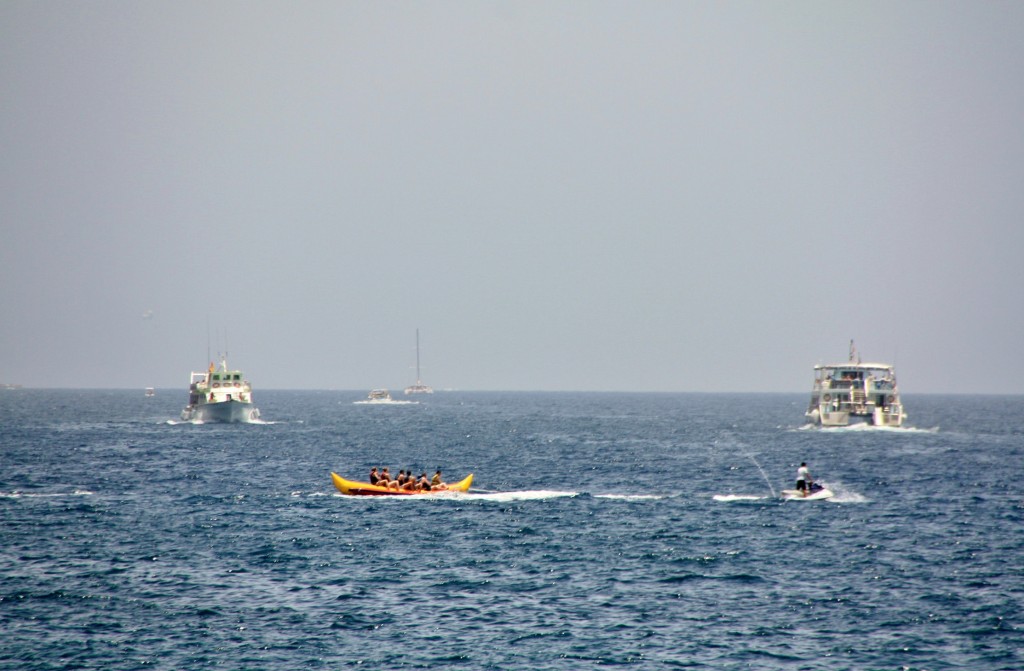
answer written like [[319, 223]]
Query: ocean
[[603, 530]]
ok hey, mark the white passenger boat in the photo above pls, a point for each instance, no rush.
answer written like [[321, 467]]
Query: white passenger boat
[[855, 393], [220, 396], [382, 397]]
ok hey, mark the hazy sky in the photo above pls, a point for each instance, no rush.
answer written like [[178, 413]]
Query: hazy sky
[[664, 196]]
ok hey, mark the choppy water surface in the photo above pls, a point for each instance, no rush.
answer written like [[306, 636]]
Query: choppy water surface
[[635, 530]]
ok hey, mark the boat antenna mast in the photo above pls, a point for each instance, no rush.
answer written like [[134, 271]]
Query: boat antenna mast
[[224, 357], [418, 357], [853, 353]]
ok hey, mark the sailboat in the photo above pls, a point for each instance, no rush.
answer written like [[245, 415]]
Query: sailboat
[[419, 387]]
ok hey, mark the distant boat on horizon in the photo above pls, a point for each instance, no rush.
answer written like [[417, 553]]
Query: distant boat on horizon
[[382, 397], [419, 387], [855, 393]]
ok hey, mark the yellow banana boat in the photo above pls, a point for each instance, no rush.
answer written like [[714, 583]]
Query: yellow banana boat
[[353, 488]]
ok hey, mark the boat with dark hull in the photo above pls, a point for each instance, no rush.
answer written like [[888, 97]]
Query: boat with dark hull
[[220, 396]]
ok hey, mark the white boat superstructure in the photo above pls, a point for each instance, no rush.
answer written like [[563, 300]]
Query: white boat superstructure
[[219, 396], [419, 387], [855, 393]]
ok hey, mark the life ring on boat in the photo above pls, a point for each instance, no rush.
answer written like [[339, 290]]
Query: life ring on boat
[[827, 397], [216, 384], [889, 399], [238, 384]]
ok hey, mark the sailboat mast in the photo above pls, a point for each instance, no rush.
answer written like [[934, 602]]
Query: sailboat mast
[[419, 387]]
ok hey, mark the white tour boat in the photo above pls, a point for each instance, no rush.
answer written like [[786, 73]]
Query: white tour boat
[[382, 397], [855, 393], [219, 396]]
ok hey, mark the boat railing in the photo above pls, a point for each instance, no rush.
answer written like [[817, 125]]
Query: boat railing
[[831, 383]]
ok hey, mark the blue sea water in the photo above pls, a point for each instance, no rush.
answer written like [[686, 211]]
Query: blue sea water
[[603, 530]]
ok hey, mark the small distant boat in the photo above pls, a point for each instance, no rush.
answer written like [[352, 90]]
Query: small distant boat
[[353, 488], [855, 393], [382, 397], [419, 387], [220, 396], [150, 391]]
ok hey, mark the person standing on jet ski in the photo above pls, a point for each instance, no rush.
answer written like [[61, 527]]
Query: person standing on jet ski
[[804, 482]]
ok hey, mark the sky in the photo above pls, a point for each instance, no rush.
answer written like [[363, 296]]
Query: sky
[[708, 196]]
